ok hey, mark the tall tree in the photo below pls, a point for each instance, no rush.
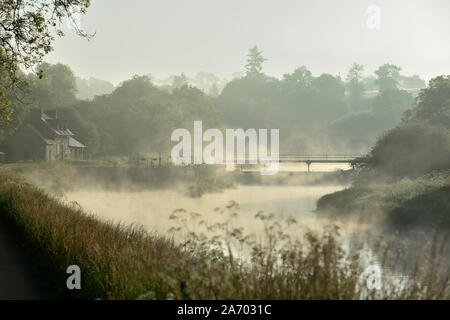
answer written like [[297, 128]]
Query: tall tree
[[26, 37], [387, 77], [329, 85], [56, 88], [179, 81], [255, 60], [301, 77], [355, 84], [433, 103]]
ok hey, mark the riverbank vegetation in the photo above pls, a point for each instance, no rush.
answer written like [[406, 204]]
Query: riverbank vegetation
[[127, 262], [406, 176], [406, 203], [316, 114]]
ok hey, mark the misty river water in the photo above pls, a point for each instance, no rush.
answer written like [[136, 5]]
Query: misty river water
[[152, 209]]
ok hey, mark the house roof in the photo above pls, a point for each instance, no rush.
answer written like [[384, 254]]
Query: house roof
[[46, 140], [48, 127], [56, 126], [73, 143], [65, 132]]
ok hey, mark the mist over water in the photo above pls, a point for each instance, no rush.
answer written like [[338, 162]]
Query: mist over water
[[152, 209]]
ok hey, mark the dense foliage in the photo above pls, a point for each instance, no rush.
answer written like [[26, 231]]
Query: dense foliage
[[421, 143], [26, 37], [315, 114], [411, 149], [405, 177]]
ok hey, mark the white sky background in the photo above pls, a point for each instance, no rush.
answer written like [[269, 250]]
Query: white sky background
[[165, 37]]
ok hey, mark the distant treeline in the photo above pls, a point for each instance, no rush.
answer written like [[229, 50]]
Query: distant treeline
[[315, 114]]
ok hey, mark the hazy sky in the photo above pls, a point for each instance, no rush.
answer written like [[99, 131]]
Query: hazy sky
[[172, 36]]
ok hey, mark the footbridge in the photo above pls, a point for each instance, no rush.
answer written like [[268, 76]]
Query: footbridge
[[351, 159], [159, 160]]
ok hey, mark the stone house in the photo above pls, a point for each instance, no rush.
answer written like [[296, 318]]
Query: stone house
[[43, 137]]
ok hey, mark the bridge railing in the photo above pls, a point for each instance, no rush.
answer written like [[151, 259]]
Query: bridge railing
[[165, 160], [299, 157]]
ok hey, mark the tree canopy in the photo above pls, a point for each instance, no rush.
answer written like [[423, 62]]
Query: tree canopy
[[433, 103], [355, 85], [26, 36], [388, 77], [314, 113], [255, 60]]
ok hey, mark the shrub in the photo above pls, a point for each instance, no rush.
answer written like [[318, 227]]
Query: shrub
[[411, 149]]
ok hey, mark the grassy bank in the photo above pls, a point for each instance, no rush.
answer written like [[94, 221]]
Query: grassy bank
[[126, 262], [55, 177], [114, 259], [400, 204]]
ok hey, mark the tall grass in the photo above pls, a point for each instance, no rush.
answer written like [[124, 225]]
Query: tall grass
[[117, 261], [216, 261]]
